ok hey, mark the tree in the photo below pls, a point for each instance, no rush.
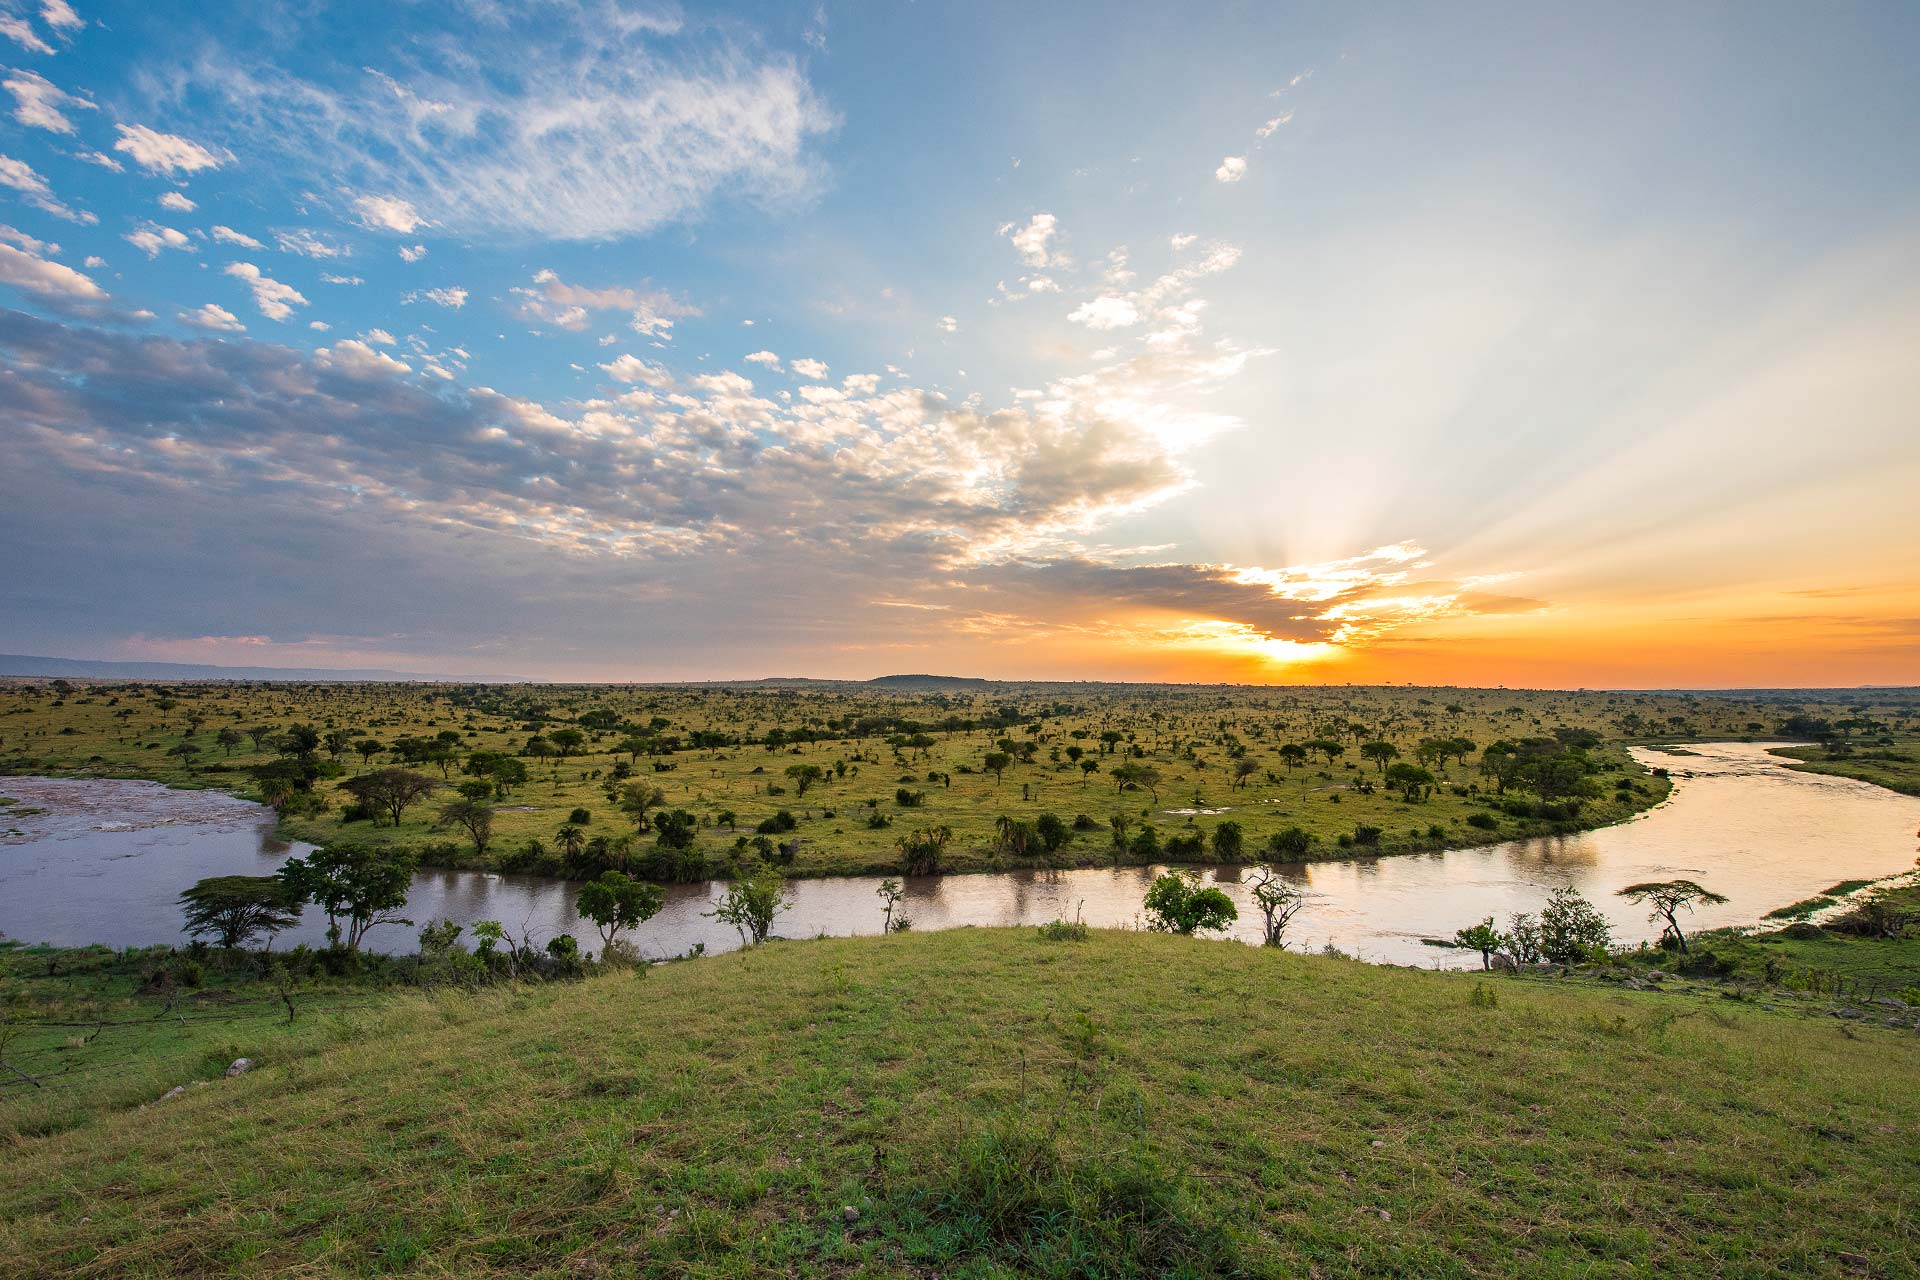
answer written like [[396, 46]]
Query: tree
[[473, 816], [921, 850], [1088, 767], [1669, 898], [1139, 776], [677, 830], [804, 776], [229, 738], [890, 894], [637, 798], [1482, 937], [616, 902], [1243, 769], [1293, 755], [368, 748], [1571, 929], [1227, 840], [389, 791], [750, 905], [1279, 903], [567, 741], [996, 762], [1291, 842], [352, 883], [1379, 753], [571, 839], [1410, 780], [233, 909], [1176, 902]]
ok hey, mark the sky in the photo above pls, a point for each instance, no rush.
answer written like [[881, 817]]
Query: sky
[[1476, 344]]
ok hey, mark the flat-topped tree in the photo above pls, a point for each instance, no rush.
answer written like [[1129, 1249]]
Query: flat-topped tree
[[1669, 898]]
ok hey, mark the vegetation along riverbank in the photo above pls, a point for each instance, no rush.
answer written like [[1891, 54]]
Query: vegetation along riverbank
[[676, 783]]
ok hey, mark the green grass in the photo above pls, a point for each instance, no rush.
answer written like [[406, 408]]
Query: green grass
[[993, 1103], [1894, 765], [1189, 734]]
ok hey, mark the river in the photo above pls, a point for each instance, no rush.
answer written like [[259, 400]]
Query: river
[[106, 860]]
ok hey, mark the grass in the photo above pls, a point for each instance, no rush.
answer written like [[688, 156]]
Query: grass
[[1192, 736], [1893, 764], [1826, 960], [991, 1102]]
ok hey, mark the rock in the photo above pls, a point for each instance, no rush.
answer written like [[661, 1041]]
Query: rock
[[1505, 963], [850, 1214], [175, 1092], [1376, 1143], [1637, 984], [240, 1067], [1655, 975]]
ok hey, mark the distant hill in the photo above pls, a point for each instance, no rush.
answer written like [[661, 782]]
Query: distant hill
[[15, 664], [932, 684]]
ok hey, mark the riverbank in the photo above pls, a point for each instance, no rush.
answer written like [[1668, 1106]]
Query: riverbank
[[1894, 765], [989, 1098]]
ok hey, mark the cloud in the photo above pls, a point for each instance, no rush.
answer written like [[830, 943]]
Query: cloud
[[1267, 130], [380, 336], [59, 15], [1232, 169], [552, 301], [387, 213], [227, 235], [1179, 241], [102, 159], [178, 203], [766, 358], [1031, 240], [213, 317], [412, 252], [165, 152], [275, 300], [309, 244], [807, 367], [19, 175], [39, 104], [450, 296], [948, 324], [21, 32], [546, 123], [153, 239], [1108, 311], [49, 281], [359, 361], [327, 277], [631, 368]]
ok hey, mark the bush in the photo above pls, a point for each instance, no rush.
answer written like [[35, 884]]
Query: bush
[[1484, 821], [1063, 931], [1571, 930], [1366, 836], [1291, 842]]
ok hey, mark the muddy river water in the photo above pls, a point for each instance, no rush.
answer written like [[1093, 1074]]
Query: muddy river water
[[105, 860]]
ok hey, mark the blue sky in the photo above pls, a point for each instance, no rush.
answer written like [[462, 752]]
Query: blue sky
[[1481, 343]]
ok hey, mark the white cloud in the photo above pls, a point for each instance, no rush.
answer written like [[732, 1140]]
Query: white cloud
[[1031, 240], [379, 336], [44, 279], [275, 300], [1232, 169], [450, 296], [387, 213], [766, 358], [631, 368], [1267, 130], [100, 158], [412, 253], [94, 261], [38, 102], [548, 122], [309, 245], [165, 152], [807, 367], [227, 235], [21, 32], [360, 360], [178, 203], [1108, 311], [153, 239], [570, 306], [949, 324], [20, 239], [19, 175], [215, 318], [327, 277], [1180, 240], [59, 15], [318, 326]]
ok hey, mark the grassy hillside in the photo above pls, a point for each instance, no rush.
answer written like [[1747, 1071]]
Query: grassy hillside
[[1893, 764], [989, 1099]]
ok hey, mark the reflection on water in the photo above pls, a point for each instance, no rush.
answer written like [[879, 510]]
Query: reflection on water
[[109, 858]]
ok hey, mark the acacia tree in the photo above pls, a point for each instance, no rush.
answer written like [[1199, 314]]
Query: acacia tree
[[996, 762], [1279, 902], [616, 901], [354, 884], [1669, 898], [473, 816], [751, 903], [234, 909], [1379, 753], [389, 791]]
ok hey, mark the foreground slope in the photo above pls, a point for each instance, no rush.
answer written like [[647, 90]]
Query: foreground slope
[[991, 1102]]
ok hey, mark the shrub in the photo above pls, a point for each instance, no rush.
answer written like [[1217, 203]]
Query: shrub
[[1176, 902]]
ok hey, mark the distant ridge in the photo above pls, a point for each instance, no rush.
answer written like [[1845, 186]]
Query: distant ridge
[[15, 664], [932, 684]]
